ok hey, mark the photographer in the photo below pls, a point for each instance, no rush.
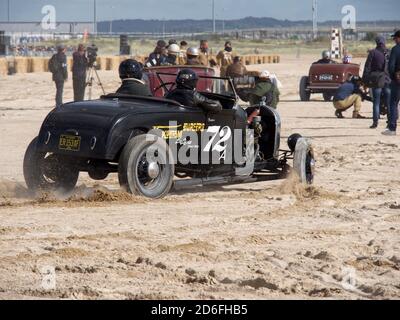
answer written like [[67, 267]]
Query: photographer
[[80, 65]]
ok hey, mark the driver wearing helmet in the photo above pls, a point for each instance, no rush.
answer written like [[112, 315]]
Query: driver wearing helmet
[[187, 95], [131, 73], [193, 57], [326, 58]]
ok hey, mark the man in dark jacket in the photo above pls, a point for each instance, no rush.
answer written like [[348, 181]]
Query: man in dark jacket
[[348, 95], [377, 62], [79, 68], [394, 72], [186, 94], [158, 56], [58, 67], [131, 73]]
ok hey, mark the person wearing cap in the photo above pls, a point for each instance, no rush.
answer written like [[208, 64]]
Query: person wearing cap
[[348, 95], [394, 72], [158, 56], [79, 68], [225, 58], [377, 63], [264, 88], [59, 68], [193, 57]]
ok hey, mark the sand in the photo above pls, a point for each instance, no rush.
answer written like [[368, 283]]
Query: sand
[[339, 239]]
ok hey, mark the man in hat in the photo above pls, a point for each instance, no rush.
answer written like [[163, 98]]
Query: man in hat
[[394, 72], [59, 68]]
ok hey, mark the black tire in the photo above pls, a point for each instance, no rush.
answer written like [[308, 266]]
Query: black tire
[[327, 96], [304, 162], [304, 93], [48, 172], [133, 170]]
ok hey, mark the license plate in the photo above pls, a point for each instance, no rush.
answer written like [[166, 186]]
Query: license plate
[[70, 143], [325, 77]]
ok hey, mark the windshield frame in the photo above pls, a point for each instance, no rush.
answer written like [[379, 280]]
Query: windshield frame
[[229, 80]]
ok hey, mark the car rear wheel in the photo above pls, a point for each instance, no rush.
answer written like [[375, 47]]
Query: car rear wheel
[[145, 167], [48, 172], [305, 94], [304, 162]]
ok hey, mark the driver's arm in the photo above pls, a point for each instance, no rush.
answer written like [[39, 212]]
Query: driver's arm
[[208, 105]]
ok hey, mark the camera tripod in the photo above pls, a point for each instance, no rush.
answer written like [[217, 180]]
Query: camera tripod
[[93, 78]]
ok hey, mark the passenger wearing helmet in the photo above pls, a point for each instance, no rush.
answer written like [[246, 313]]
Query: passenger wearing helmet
[[264, 88], [158, 56], [187, 95], [193, 57], [326, 58], [173, 55], [131, 73]]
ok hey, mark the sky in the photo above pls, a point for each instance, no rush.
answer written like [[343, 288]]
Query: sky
[[82, 10]]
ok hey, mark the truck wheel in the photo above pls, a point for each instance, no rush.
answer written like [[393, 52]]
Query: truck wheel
[[145, 167], [327, 96], [304, 93], [48, 172], [304, 162]]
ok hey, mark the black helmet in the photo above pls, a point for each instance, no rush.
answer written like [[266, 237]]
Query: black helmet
[[292, 141], [130, 69], [187, 79]]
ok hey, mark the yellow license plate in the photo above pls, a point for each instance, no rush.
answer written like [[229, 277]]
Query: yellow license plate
[[70, 143]]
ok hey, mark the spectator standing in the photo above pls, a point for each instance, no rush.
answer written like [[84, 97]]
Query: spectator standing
[[58, 67], [79, 69], [376, 68]]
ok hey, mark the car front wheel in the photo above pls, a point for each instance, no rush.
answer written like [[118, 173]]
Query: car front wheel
[[145, 167], [304, 162]]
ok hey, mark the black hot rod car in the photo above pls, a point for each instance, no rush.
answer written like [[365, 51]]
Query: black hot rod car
[[116, 133]]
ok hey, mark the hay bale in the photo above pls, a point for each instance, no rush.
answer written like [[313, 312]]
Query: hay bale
[[46, 64], [112, 63], [3, 67], [21, 65], [101, 63], [37, 65]]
